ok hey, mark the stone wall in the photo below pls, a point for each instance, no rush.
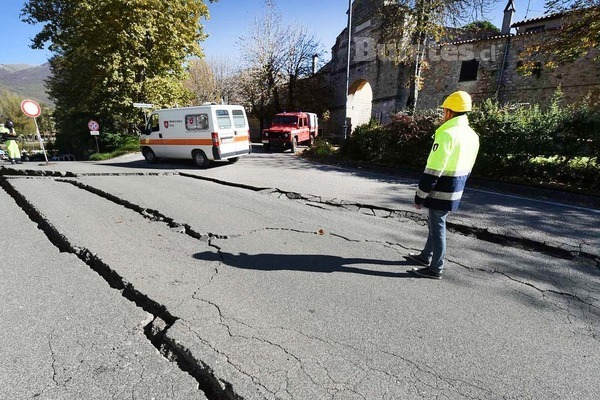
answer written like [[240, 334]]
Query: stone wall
[[387, 80], [497, 72], [444, 66], [576, 80]]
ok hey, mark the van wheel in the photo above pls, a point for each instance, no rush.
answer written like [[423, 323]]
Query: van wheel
[[267, 148], [294, 145], [200, 159], [233, 159], [149, 156]]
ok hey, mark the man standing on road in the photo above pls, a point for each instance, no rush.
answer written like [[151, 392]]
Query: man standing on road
[[449, 165], [11, 143]]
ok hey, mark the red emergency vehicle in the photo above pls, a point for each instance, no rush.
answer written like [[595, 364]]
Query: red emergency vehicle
[[289, 129]]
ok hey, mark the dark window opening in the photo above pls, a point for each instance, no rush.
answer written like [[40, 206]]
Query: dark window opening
[[468, 71], [537, 70], [539, 28]]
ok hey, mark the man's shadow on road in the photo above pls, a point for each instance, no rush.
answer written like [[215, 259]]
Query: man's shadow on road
[[305, 263]]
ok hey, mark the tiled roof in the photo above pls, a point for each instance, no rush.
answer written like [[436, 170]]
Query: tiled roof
[[487, 38], [538, 19], [477, 39]]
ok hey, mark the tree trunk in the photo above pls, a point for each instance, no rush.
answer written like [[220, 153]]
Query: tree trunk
[[291, 90]]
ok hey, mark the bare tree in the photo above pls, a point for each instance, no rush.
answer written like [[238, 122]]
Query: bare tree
[[201, 81], [408, 25], [224, 73], [263, 50], [297, 62]]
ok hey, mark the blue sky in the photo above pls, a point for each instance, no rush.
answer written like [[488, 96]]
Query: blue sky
[[229, 20]]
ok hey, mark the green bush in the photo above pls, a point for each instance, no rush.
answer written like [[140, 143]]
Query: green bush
[[365, 142], [320, 149], [511, 136], [557, 146], [405, 141]]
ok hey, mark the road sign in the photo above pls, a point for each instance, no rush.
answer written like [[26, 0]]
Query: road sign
[[143, 105], [93, 126], [94, 133], [31, 108]]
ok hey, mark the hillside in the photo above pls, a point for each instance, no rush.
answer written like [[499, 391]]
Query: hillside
[[27, 81]]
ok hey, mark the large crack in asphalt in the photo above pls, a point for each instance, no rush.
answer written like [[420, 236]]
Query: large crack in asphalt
[[479, 233], [515, 240], [162, 320], [155, 331], [374, 210], [483, 234]]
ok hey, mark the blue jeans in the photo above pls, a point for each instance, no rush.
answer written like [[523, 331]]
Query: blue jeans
[[435, 248]]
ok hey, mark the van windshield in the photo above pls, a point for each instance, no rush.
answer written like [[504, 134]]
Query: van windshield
[[285, 120]]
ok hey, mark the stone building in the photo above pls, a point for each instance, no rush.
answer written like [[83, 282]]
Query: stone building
[[489, 67], [486, 67], [377, 87]]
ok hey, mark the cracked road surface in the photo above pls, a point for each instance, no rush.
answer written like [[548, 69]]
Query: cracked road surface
[[66, 334], [167, 286]]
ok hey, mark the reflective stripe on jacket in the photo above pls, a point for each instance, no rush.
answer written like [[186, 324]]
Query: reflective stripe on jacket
[[450, 162]]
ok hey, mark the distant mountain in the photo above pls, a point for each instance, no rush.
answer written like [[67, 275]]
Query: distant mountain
[[10, 68], [25, 80]]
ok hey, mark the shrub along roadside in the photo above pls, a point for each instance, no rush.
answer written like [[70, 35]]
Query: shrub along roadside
[[556, 147], [114, 145]]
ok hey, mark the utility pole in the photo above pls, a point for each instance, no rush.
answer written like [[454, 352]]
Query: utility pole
[[348, 69]]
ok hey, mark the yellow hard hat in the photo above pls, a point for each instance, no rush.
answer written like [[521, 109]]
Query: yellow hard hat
[[458, 101]]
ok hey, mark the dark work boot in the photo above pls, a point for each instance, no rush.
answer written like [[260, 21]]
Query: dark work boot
[[426, 273]]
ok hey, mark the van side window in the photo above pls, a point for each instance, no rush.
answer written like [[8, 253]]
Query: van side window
[[196, 122], [238, 119], [153, 123], [223, 119]]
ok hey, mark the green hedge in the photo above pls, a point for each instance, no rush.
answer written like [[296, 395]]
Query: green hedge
[[552, 147], [405, 141], [556, 147]]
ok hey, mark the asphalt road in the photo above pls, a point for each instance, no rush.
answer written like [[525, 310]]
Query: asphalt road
[[275, 278]]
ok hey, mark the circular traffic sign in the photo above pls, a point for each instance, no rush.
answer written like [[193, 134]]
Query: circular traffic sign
[[31, 108], [93, 125]]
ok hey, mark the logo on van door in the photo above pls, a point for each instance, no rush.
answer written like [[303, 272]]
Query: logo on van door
[[166, 124]]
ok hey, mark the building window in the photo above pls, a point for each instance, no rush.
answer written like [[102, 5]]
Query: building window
[[468, 71]]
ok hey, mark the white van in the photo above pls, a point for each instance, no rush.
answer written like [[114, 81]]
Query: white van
[[203, 133]]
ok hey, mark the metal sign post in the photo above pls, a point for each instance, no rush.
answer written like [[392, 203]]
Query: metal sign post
[[94, 128], [33, 110]]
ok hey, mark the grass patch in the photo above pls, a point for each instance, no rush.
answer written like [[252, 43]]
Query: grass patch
[[129, 146]]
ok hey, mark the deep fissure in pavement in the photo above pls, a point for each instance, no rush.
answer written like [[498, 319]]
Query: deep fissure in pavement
[[483, 234], [155, 331], [480, 233]]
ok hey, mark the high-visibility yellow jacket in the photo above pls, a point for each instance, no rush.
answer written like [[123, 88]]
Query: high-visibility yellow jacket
[[449, 165]]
